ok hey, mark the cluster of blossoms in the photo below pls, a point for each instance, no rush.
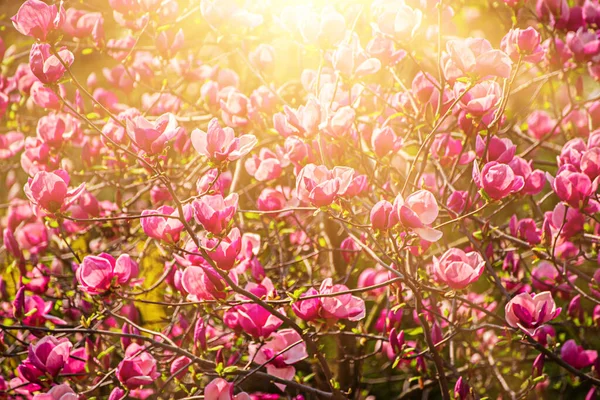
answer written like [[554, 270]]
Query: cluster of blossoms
[[256, 200]]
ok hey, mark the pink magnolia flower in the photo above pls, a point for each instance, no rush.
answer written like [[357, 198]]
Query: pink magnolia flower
[[252, 317], [162, 227], [203, 283], [572, 152], [585, 45], [10, 144], [220, 389], [98, 274], [169, 42], [301, 122], [458, 269], [528, 312], [525, 229], [46, 66], [534, 180], [382, 48], [38, 19], [417, 212], [497, 180], [547, 277], [590, 163], [50, 354], [50, 190], [308, 309], [265, 166], [220, 144], [45, 97], [32, 237], [570, 224], [138, 368], [263, 57], [398, 20], [385, 141], [556, 10], [523, 43], [213, 180], [55, 129], [540, 124], [180, 364], [214, 212], [282, 349], [80, 23], [462, 390], [121, 78], [482, 98], [236, 108], [474, 56], [446, 150], [224, 251], [576, 356], [383, 216], [351, 60], [321, 186], [458, 201], [33, 310], [574, 188], [344, 306], [60, 392], [152, 137], [271, 200], [337, 124], [373, 276]]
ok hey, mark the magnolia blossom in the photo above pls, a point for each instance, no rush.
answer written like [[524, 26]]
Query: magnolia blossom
[[138, 368], [220, 144], [59, 392], [540, 124], [152, 137], [474, 56], [48, 355], [97, 274], [10, 144], [344, 306], [282, 349], [48, 67], [223, 251], [50, 190], [385, 141], [321, 186], [383, 216], [302, 122], [497, 180], [417, 212], [572, 187], [220, 389], [265, 166], [576, 356], [523, 44], [529, 312], [38, 19], [479, 99], [203, 283], [79, 23], [167, 226], [214, 212], [534, 181], [458, 269]]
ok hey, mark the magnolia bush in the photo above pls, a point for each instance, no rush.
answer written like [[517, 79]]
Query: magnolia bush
[[222, 199]]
